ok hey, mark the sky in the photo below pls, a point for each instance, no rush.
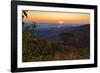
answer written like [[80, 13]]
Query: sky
[[57, 17]]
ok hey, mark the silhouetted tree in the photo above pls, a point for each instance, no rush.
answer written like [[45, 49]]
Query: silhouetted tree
[[24, 14]]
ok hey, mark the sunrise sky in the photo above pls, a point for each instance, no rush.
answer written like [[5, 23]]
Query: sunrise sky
[[57, 17]]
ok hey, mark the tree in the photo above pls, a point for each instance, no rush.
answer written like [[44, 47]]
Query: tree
[[24, 14], [29, 29]]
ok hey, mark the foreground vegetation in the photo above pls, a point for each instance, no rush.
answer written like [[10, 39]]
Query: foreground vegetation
[[36, 49]]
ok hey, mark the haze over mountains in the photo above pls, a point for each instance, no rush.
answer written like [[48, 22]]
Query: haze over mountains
[[51, 31], [53, 25]]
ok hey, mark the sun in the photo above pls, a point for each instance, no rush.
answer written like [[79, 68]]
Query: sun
[[60, 22]]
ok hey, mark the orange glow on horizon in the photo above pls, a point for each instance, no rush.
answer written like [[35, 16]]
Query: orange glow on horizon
[[60, 22], [57, 17]]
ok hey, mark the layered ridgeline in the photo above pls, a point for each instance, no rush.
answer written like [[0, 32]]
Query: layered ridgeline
[[57, 32], [54, 38]]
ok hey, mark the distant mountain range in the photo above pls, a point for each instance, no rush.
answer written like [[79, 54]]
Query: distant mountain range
[[52, 25], [80, 32], [52, 31]]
